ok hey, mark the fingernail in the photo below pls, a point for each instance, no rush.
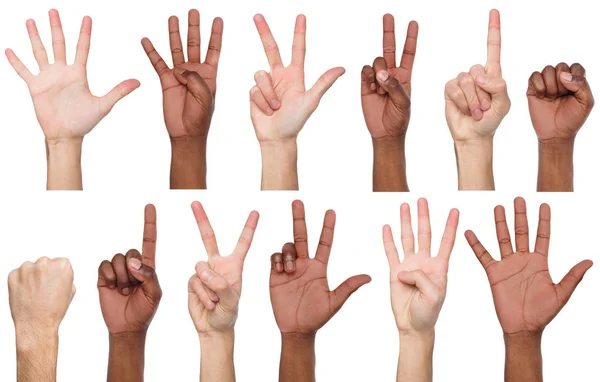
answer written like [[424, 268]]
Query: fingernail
[[382, 75], [275, 104], [566, 76], [125, 291], [206, 275], [486, 104], [179, 70], [477, 114], [135, 264], [112, 286], [483, 79], [289, 266], [279, 267], [270, 111], [373, 86]]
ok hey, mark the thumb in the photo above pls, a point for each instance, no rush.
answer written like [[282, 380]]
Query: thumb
[[345, 290], [324, 83], [121, 90], [395, 90], [146, 276], [228, 297], [419, 279], [192, 80], [496, 87], [572, 279], [579, 86]]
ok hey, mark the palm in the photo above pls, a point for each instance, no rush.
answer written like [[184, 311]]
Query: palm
[[125, 314], [556, 118]]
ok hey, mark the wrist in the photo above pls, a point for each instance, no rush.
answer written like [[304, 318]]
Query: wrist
[[474, 161], [189, 144], [217, 337], [555, 164], [279, 165], [30, 338], [127, 338], [417, 339], [389, 143], [523, 340]]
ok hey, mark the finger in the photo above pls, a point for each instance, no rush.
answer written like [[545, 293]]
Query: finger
[[542, 241], [300, 233], [265, 84], [245, 240], [467, 85], [549, 75], [485, 100], [289, 256], [379, 65], [391, 251], [324, 83], [368, 82], [496, 87], [389, 41], [521, 226], [424, 227], [277, 262], [578, 84], [133, 254], [577, 70], [326, 239], [214, 44], [37, 46], [83, 44], [494, 44], [257, 97], [228, 297], [147, 276], [155, 59], [455, 95], [341, 293], [119, 265], [410, 47], [149, 241], [561, 68], [58, 37], [394, 89], [568, 284], [536, 86], [116, 94], [199, 289], [268, 41], [406, 232], [419, 279], [206, 232], [449, 236], [106, 275], [193, 43], [18, 66], [202, 266], [299, 44], [175, 41], [195, 84], [482, 254], [502, 232]]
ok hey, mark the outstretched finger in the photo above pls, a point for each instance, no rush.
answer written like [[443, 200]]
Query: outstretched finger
[[410, 47], [18, 66], [567, 285], [300, 231], [58, 37], [326, 239], [116, 94], [346, 289], [206, 232], [389, 41], [325, 82], [268, 41], [193, 43], [542, 241], [482, 254], [449, 236], [494, 44], [424, 226], [149, 241], [83, 44], [245, 240], [37, 46], [299, 44], [391, 251], [502, 232], [406, 232], [155, 59], [521, 226], [175, 41], [214, 44]]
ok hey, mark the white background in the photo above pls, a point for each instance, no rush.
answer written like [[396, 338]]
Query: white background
[[126, 165]]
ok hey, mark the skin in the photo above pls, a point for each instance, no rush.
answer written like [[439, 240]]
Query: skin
[[213, 298], [300, 295], [129, 297], [64, 105], [39, 296], [385, 96], [280, 105], [476, 103], [189, 90], [418, 289], [560, 100], [525, 297]]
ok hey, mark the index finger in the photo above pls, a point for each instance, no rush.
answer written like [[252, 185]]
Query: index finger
[[149, 244], [300, 232], [389, 41], [245, 240], [206, 231], [268, 41], [494, 41]]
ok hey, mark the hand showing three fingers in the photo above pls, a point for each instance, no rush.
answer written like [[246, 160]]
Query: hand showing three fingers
[[64, 105], [300, 295], [525, 297], [215, 289]]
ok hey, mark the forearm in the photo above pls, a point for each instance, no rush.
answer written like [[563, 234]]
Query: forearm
[[216, 361], [63, 158], [523, 358], [474, 163], [415, 363], [279, 165], [555, 165], [389, 165], [37, 354], [297, 362], [126, 357], [188, 163]]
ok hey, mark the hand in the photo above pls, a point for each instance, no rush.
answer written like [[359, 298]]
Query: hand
[[40, 293], [128, 285], [64, 105], [300, 295], [189, 88], [525, 297], [560, 100], [418, 283], [279, 103], [476, 102], [214, 291], [385, 88]]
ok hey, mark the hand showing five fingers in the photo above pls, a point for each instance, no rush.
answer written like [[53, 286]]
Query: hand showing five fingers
[[64, 105], [418, 282], [280, 105], [215, 289], [525, 297], [300, 295], [385, 88]]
